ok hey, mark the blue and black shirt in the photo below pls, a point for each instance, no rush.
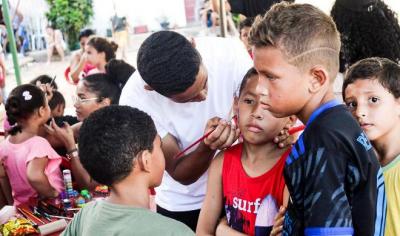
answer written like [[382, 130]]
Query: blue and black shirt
[[335, 182]]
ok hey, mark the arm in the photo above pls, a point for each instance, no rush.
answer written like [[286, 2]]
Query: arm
[[187, 169], [213, 202], [224, 229], [38, 179], [66, 135], [5, 188], [77, 64]]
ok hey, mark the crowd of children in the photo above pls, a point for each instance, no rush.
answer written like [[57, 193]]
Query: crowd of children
[[258, 173]]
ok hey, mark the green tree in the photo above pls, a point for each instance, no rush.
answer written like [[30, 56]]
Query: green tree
[[70, 16]]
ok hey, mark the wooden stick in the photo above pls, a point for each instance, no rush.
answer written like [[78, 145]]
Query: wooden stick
[[60, 217], [31, 215], [27, 217]]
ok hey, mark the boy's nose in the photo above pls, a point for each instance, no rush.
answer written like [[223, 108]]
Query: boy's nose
[[262, 87]]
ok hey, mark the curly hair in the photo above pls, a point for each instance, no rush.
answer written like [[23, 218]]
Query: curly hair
[[374, 31], [111, 138], [168, 62]]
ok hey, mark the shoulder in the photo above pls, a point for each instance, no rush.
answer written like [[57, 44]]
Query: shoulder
[[169, 226], [39, 142]]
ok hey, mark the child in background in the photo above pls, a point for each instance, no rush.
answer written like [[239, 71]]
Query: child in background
[[57, 104], [333, 176], [119, 147], [30, 162], [371, 91], [244, 28], [247, 179]]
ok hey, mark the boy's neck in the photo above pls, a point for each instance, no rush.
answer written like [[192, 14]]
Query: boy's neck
[[313, 103], [132, 191], [388, 146], [254, 153]]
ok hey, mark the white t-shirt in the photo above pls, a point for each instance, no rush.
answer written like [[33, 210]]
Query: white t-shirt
[[226, 61]]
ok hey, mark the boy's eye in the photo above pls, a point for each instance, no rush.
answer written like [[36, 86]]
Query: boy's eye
[[248, 101], [373, 99], [351, 105]]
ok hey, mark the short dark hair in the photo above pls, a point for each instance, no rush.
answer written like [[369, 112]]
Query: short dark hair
[[304, 34], [111, 138], [44, 79], [248, 22], [57, 99], [22, 103], [252, 71], [374, 31], [103, 45], [85, 33], [119, 71], [168, 62], [384, 70], [103, 86]]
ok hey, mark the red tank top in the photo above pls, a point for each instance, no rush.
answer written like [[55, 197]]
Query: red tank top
[[251, 203]]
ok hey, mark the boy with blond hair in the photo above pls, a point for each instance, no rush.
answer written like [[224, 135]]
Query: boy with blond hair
[[333, 176]]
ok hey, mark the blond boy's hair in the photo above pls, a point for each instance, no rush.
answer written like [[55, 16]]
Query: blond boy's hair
[[304, 34]]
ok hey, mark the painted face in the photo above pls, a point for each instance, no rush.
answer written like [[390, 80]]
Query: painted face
[[197, 92], [93, 56], [283, 87], [374, 107], [244, 35], [85, 101], [158, 161], [256, 124]]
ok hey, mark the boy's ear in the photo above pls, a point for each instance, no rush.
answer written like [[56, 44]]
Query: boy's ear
[[144, 160], [320, 78], [235, 106], [148, 88]]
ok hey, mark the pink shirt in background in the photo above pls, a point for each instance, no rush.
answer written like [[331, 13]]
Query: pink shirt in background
[[16, 157]]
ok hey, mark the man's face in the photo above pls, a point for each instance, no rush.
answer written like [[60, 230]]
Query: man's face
[[197, 92], [283, 87]]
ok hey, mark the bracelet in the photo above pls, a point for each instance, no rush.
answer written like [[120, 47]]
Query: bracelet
[[71, 154], [71, 151]]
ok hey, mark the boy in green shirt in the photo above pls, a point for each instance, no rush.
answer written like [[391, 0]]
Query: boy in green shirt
[[119, 147]]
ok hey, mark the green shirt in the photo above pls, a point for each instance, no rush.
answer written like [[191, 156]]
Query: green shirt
[[103, 218]]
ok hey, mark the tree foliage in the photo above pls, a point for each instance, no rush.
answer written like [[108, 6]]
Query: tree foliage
[[70, 16]]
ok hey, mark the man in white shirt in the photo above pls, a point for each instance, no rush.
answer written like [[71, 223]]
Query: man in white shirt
[[188, 89]]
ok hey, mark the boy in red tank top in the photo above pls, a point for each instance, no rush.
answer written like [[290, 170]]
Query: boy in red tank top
[[246, 180]]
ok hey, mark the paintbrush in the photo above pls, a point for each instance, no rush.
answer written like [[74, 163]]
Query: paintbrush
[[52, 81], [31, 215], [200, 139], [27, 217]]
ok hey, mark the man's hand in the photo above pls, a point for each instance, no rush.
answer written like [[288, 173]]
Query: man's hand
[[224, 133]]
